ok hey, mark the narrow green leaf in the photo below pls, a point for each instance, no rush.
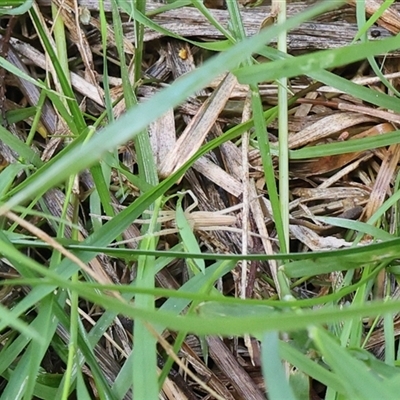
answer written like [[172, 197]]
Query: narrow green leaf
[[273, 372], [19, 10], [187, 236], [359, 226], [349, 146], [20, 147], [372, 20], [8, 318], [7, 177], [309, 366], [360, 382], [69, 94], [309, 63], [146, 21]]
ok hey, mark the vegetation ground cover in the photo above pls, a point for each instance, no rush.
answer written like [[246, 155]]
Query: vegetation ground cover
[[199, 200]]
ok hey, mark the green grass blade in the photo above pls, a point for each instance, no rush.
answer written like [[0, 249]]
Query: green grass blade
[[369, 95], [312, 368], [373, 19], [359, 380], [9, 318], [350, 146], [309, 63], [20, 147], [187, 236], [79, 123], [273, 372]]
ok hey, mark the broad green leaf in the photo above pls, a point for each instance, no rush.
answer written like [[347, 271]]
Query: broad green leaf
[[81, 389], [300, 383], [311, 367]]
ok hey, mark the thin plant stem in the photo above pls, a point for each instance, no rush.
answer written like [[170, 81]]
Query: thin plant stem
[[280, 6]]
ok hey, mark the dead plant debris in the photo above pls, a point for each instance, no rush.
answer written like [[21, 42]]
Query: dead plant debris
[[351, 185]]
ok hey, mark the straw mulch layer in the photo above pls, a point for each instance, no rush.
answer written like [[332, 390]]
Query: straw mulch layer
[[351, 185]]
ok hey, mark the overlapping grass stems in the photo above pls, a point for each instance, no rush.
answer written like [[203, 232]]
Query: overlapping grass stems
[[348, 371]]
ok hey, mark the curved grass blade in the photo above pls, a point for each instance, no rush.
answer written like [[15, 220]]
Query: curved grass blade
[[309, 63]]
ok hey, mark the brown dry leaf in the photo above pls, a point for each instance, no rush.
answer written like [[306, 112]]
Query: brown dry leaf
[[70, 16], [315, 242], [231, 157], [345, 171], [330, 163], [386, 174], [326, 127], [193, 136], [87, 89], [32, 93], [390, 19], [217, 175], [239, 378], [312, 194], [323, 165], [162, 136], [373, 112]]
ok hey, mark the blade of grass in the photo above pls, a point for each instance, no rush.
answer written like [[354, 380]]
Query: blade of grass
[[18, 7], [79, 123], [143, 19], [144, 357], [363, 26], [309, 63], [174, 297], [371, 96], [312, 368], [360, 382], [280, 8], [32, 359], [144, 351], [8, 318], [20, 147], [369, 253], [376, 233], [229, 325], [350, 146], [187, 236], [273, 372]]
